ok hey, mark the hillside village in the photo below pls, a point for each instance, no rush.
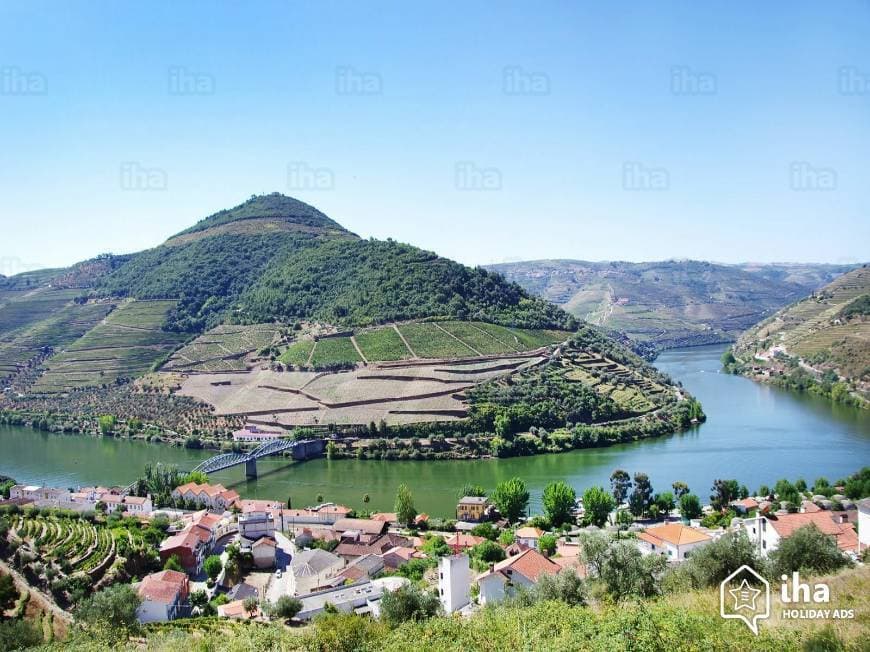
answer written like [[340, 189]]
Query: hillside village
[[209, 553]]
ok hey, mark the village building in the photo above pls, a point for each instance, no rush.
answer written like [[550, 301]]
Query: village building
[[360, 598], [312, 569], [164, 597], [745, 505], [256, 434], [472, 508], [236, 609], [263, 550], [766, 532], [523, 570], [529, 536], [863, 524], [207, 495], [454, 582], [673, 541], [461, 541]]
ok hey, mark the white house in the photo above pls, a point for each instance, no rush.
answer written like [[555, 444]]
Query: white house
[[454, 582], [522, 570], [767, 531], [164, 596], [673, 541], [863, 524], [254, 525], [529, 536], [312, 569]]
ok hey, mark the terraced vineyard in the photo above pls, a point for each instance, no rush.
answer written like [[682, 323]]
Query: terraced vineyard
[[20, 310], [21, 346], [128, 343], [442, 339], [72, 543], [632, 392], [224, 348]]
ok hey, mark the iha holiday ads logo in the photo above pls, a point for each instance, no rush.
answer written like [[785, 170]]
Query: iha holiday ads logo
[[745, 595]]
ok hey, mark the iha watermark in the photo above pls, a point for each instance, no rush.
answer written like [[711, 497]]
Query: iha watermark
[[745, 595]]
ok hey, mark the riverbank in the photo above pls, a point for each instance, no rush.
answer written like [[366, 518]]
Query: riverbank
[[753, 431]]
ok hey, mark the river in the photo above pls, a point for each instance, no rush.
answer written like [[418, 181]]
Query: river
[[753, 432]]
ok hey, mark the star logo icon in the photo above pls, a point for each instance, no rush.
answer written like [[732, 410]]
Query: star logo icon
[[741, 600], [744, 596]]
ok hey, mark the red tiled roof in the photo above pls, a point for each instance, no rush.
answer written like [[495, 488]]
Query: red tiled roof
[[164, 586], [673, 533], [460, 540], [786, 524], [530, 564]]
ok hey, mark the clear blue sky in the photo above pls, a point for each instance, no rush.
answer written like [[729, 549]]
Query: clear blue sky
[[484, 131]]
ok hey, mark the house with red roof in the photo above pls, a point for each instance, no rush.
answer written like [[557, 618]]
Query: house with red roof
[[164, 597], [461, 542], [213, 496], [522, 570], [766, 532]]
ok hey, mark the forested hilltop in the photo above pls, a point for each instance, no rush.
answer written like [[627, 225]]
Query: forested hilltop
[[276, 258], [670, 303], [820, 344]]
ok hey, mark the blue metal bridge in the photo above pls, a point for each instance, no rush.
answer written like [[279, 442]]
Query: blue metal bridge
[[300, 450]]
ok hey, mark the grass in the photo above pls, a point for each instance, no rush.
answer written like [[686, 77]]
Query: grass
[[429, 341], [331, 350], [382, 344], [297, 353], [485, 341], [22, 311], [114, 349]]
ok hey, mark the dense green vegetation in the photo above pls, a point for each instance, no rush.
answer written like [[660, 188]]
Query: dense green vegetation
[[307, 266], [364, 282], [382, 344]]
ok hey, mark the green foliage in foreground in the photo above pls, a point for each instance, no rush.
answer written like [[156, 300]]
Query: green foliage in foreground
[[547, 626]]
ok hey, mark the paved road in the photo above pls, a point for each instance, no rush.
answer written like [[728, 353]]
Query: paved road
[[279, 586]]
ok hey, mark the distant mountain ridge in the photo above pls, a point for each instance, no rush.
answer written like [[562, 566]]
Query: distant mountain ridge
[[670, 303]]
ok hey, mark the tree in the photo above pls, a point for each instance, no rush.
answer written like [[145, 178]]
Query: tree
[[565, 586], [507, 537], [19, 635], [470, 489], [250, 605], [213, 566], [712, 563], [199, 599], [8, 592], [627, 572], [547, 544], [405, 511], [110, 614], [488, 552], [286, 607], [724, 491], [408, 604], [641, 498], [620, 484], [690, 506], [624, 520], [436, 546], [511, 497], [558, 502], [106, 423], [680, 489], [597, 504], [486, 530], [173, 563], [807, 549], [665, 502]]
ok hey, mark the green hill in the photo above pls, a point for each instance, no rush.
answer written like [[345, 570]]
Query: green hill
[[819, 344], [276, 258], [670, 303], [239, 316]]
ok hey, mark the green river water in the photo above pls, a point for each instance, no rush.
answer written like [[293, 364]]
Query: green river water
[[754, 433]]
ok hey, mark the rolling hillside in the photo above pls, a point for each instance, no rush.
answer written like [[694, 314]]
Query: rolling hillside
[[273, 313], [819, 344], [670, 303]]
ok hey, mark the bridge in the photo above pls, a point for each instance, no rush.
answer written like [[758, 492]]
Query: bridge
[[300, 450]]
